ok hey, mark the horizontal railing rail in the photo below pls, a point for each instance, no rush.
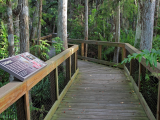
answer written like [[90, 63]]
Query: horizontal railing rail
[[144, 78], [22, 98]]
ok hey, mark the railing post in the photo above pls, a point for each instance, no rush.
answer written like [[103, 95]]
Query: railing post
[[139, 76], [53, 85], [27, 107], [57, 87], [68, 71], [75, 61], [99, 52], [123, 53], [158, 102], [131, 65], [82, 49]]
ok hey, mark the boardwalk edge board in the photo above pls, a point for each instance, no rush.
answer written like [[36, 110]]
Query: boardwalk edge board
[[140, 96], [57, 103]]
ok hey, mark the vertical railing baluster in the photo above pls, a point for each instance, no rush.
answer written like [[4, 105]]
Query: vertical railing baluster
[[131, 67], [52, 78], [68, 69], [123, 53], [27, 106], [158, 102], [139, 76], [57, 87], [75, 60], [99, 52], [82, 49]]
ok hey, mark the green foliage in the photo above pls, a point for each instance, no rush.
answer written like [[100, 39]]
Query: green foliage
[[127, 36], [41, 50], [3, 42], [58, 45], [151, 57], [41, 91]]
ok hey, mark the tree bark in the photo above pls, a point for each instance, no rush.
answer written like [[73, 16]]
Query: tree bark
[[62, 22], [34, 26], [24, 26], [86, 26], [147, 9], [138, 30], [39, 21], [10, 32], [117, 38], [156, 16]]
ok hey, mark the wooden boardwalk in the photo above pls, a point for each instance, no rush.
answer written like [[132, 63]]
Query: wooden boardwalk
[[100, 93]]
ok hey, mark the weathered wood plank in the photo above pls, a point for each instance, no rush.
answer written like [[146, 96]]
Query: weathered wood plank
[[100, 96]]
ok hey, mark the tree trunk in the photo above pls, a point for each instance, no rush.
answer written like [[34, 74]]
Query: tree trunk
[[39, 21], [10, 32], [34, 26], [156, 17], [138, 30], [24, 26], [147, 10], [117, 38], [62, 22], [86, 26]]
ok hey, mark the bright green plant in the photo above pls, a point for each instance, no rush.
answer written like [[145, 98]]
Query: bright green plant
[[43, 49], [3, 42], [58, 45], [151, 57]]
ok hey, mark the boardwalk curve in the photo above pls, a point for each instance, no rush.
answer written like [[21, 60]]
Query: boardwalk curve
[[100, 93]]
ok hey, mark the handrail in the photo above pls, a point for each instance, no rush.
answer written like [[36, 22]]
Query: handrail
[[129, 70], [12, 91]]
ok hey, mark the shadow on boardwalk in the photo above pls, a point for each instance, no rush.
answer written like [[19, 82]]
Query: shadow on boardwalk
[[100, 93]]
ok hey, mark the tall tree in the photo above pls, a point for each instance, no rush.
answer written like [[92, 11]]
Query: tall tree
[[39, 21], [86, 26], [34, 20], [147, 9], [156, 16], [10, 32], [117, 36], [138, 29], [62, 22], [24, 26]]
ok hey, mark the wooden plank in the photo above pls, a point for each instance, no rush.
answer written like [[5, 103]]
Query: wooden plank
[[55, 106], [142, 100], [27, 106], [90, 95], [10, 93], [75, 61], [99, 52], [113, 44], [101, 61], [82, 49], [139, 76], [123, 53], [68, 69], [57, 87]]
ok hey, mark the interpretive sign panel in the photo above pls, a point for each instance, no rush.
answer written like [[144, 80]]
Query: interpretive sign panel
[[22, 66]]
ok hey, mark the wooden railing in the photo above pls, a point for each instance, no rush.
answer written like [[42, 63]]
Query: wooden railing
[[19, 98], [144, 78]]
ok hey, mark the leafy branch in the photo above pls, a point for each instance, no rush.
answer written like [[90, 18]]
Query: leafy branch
[[151, 57]]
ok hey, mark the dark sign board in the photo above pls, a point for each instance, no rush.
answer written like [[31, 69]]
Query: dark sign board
[[22, 66]]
